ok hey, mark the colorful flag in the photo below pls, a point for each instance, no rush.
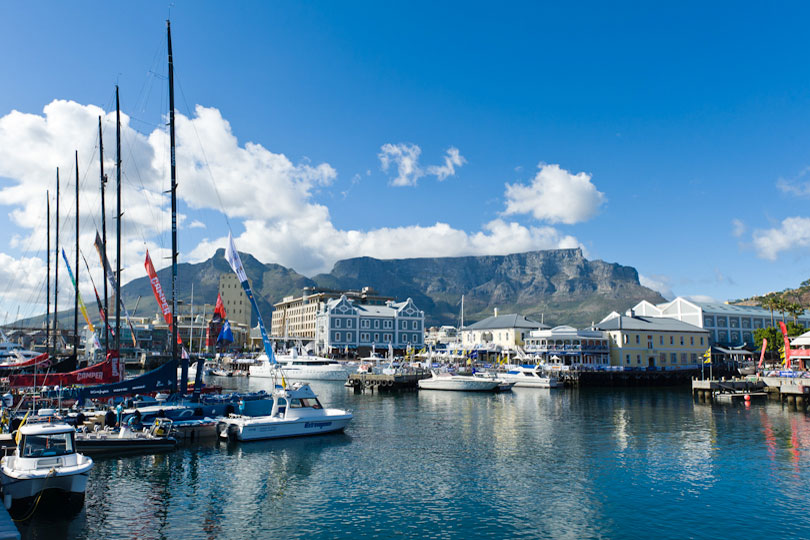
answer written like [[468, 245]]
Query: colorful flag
[[762, 354], [708, 356], [219, 310], [225, 335], [783, 328], [82, 308], [102, 255], [159, 295], [232, 256]]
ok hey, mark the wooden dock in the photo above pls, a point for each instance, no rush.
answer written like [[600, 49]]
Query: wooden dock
[[728, 390], [362, 382]]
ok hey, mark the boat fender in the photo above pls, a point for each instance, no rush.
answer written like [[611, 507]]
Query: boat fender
[[367, 383]]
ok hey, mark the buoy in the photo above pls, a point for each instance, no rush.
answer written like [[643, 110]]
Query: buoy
[[747, 397]]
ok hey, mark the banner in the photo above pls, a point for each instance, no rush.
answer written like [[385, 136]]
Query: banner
[[102, 254], [78, 296], [232, 256], [159, 296], [162, 379], [100, 306], [787, 343], [762, 354], [95, 374], [219, 310]]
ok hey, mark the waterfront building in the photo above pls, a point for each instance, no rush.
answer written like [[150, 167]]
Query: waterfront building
[[638, 341], [728, 325], [442, 337], [507, 332], [295, 317], [567, 346], [347, 325], [234, 299]]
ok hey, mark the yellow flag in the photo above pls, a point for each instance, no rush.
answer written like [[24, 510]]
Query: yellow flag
[[19, 433]]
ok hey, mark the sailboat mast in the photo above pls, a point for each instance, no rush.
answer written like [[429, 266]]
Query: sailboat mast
[[48, 286], [56, 270], [76, 292], [117, 224], [104, 235], [184, 371]]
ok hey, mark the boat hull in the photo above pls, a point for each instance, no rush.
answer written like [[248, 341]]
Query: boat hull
[[115, 446], [456, 385], [257, 429], [21, 490], [301, 374]]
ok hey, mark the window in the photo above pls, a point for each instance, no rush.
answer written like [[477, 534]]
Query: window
[[628, 359], [681, 340], [376, 323], [694, 358], [349, 323], [404, 325], [364, 323], [673, 358], [638, 359], [337, 336], [56, 444], [376, 337], [626, 340], [660, 340], [701, 341], [387, 323], [364, 337], [337, 323], [691, 340], [649, 342], [683, 358], [671, 340], [638, 339], [415, 325], [386, 337]]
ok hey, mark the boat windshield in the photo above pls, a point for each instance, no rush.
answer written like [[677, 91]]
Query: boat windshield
[[54, 444], [297, 403]]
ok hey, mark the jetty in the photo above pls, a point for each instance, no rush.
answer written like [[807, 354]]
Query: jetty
[[793, 391], [381, 382]]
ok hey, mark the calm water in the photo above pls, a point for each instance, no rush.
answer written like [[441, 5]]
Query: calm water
[[526, 464]]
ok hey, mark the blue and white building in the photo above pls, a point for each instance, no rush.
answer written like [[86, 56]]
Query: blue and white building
[[345, 325]]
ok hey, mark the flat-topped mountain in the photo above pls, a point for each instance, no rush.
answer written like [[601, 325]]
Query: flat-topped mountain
[[560, 286]]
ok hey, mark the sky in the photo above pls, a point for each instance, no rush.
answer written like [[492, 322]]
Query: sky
[[668, 137]]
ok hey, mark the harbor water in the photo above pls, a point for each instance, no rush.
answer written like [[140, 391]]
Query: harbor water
[[531, 463]]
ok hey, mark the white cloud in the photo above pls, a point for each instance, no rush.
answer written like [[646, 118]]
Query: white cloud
[[196, 224], [702, 298], [556, 196], [793, 234], [406, 158], [452, 160], [796, 187], [659, 283], [271, 196], [738, 228]]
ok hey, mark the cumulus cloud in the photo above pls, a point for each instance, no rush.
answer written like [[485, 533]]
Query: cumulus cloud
[[269, 195], [792, 234], [659, 283], [452, 160], [196, 224], [405, 156], [555, 195], [737, 228]]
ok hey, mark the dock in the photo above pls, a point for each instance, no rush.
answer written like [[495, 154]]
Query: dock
[[728, 390], [399, 381], [8, 531]]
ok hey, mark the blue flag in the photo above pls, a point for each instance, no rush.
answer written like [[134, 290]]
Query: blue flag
[[225, 334]]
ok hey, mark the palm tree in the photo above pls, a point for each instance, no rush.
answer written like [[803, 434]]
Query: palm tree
[[769, 301], [782, 305], [795, 309]]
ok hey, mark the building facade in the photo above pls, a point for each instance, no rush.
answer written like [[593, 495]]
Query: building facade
[[295, 317], [346, 325], [728, 325], [567, 346], [654, 342], [234, 299], [505, 331]]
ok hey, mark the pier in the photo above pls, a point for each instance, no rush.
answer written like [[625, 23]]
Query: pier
[[361, 382], [728, 390]]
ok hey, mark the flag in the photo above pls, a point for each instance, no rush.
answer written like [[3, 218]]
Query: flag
[[82, 308], [101, 312], [762, 354], [708, 356], [159, 295], [219, 311], [232, 256], [102, 255], [225, 335], [786, 358], [19, 432]]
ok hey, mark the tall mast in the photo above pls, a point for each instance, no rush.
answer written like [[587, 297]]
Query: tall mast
[[104, 236], [76, 292], [184, 371], [117, 224], [56, 269], [48, 287]]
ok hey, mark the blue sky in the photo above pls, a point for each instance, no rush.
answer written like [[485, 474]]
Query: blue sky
[[673, 138]]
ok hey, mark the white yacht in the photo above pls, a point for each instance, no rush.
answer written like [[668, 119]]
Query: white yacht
[[300, 368], [44, 462], [525, 377], [296, 411], [464, 383]]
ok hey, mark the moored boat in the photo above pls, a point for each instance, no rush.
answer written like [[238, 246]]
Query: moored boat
[[300, 368], [296, 411], [44, 464], [459, 383], [525, 377]]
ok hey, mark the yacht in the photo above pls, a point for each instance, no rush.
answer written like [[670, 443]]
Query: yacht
[[44, 462], [464, 383], [525, 377], [300, 367], [296, 411]]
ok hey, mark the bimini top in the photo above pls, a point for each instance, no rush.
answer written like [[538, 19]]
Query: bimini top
[[46, 428]]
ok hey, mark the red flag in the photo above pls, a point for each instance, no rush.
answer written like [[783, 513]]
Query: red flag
[[159, 296], [219, 310], [762, 354], [787, 343]]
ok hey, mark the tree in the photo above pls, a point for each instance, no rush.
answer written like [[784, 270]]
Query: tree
[[795, 309], [769, 301], [782, 306], [773, 336]]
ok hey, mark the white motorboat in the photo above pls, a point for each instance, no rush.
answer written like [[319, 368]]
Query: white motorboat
[[300, 368], [462, 383], [525, 377], [44, 462], [296, 411], [503, 384]]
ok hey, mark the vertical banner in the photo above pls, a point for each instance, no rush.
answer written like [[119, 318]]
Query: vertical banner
[[102, 254], [787, 343], [762, 354], [82, 308], [159, 295], [232, 256]]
